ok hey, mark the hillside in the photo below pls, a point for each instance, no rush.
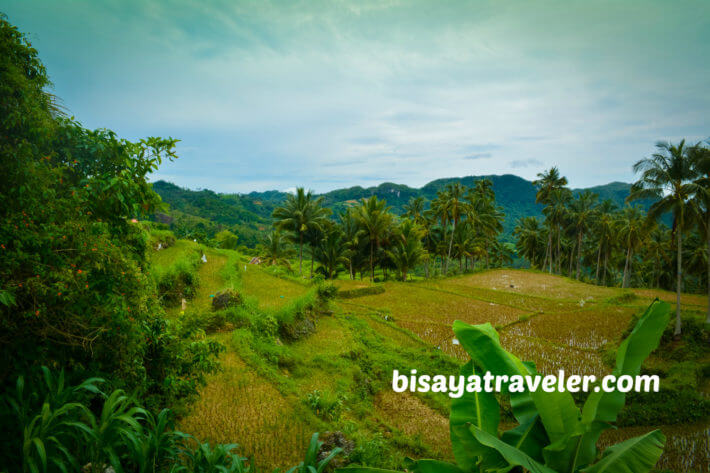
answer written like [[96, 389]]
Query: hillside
[[246, 214], [337, 378]]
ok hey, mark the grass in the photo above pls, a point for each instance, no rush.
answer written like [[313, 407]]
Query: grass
[[263, 397]]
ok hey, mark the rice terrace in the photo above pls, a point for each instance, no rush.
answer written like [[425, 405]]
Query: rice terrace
[[390, 237]]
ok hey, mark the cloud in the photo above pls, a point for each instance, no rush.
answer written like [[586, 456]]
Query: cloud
[[478, 156], [524, 163], [273, 95]]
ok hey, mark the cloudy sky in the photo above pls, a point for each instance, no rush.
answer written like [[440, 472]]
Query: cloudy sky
[[327, 94]]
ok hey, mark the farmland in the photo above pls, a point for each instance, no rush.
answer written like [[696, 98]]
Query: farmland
[[336, 379]]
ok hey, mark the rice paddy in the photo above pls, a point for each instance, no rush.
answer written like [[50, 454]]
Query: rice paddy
[[555, 322]]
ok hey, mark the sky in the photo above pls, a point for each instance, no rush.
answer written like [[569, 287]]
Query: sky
[[328, 94]]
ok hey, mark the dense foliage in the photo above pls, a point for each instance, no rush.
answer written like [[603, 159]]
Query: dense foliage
[[600, 242], [75, 283]]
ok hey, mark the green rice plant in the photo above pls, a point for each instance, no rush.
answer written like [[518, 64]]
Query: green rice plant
[[553, 435]]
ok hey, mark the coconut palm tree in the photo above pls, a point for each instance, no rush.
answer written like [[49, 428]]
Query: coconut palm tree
[[546, 183], [700, 157], [603, 228], [407, 250], [632, 227], [529, 233], [330, 250], [414, 209], [556, 212], [300, 213], [375, 219], [667, 176], [582, 212], [457, 208], [352, 234], [276, 250]]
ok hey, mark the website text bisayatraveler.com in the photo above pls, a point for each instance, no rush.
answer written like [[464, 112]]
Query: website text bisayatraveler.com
[[456, 386]]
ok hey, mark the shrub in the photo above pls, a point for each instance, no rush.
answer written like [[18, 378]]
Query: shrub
[[178, 280], [225, 299], [326, 405], [361, 291], [163, 238]]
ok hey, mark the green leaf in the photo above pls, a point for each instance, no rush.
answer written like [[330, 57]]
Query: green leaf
[[636, 455], [363, 469], [436, 466], [557, 410], [603, 408], [511, 454], [530, 438], [479, 409]]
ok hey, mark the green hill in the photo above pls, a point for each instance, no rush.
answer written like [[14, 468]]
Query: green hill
[[205, 212]]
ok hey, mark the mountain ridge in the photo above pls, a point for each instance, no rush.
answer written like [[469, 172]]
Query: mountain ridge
[[252, 211]]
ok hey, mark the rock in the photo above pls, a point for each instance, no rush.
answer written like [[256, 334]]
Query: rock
[[297, 329], [224, 299], [332, 440]]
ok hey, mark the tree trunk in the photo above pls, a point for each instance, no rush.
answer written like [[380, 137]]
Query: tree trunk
[[451, 244], [707, 231], [580, 236], [679, 278], [599, 258], [300, 254], [559, 255], [372, 261], [625, 281], [571, 261], [312, 251], [606, 262], [549, 249]]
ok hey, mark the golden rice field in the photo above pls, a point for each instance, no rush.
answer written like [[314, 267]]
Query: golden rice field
[[408, 302], [411, 416], [238, 405], [555, 322]]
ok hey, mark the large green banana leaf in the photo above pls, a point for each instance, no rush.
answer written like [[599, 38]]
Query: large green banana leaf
[[479, 409], [556, 410], [636, 455], [512, 455], [603, 408]]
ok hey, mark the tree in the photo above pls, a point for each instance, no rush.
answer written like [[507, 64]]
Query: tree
[[529, 234], [76, 288], [301, 212], [373, 214], [632, 228], [275, 250], [604, 233], [700, 156], [556, 213], [582, 211], [407, 250], [546, 183], [457, 208], [329, 252], [352, 235], [667, 176], [226, 239]]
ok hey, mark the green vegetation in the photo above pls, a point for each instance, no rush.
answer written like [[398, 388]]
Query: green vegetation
[[125, 340]]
